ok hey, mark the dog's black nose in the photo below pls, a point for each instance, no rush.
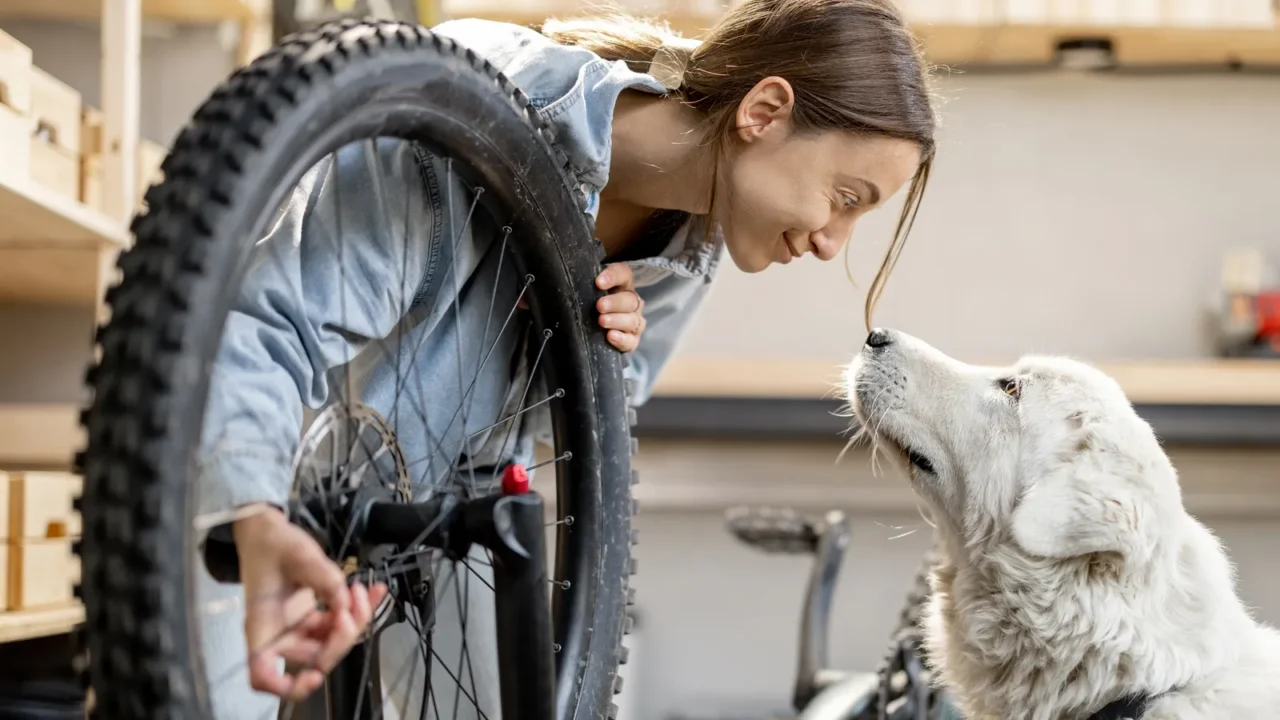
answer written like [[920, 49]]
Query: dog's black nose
[[879, 338]]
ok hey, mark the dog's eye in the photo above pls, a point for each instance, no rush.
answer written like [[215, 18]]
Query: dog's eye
[[1010, 387], [920, 461]]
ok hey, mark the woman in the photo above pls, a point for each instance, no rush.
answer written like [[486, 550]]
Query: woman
[[769, 139]]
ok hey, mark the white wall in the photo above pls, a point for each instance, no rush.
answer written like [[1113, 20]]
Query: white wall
[[1079, 214]]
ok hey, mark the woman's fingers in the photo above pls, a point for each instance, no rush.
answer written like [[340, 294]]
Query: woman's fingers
[[617, 275], [631, 323], [625, 342], [620, 302]]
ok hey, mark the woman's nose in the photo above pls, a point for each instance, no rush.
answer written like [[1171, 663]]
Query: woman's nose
[[828, 241]]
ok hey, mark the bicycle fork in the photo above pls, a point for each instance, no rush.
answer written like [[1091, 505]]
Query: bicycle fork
[[511, 527]]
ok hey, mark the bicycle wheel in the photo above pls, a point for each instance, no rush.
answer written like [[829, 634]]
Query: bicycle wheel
[[368, 89]]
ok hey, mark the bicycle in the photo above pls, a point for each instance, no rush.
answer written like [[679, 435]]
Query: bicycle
[[900, 688], [156, 570]]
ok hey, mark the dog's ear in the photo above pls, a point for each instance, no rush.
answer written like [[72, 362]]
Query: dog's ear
[[1087, 502]]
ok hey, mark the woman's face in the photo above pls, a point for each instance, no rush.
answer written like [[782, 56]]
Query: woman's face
[[784, 194]]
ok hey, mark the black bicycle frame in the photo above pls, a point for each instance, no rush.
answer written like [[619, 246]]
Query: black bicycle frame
[[512, 528], [781, 530]]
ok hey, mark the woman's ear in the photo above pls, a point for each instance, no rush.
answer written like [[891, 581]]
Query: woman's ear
[[766, 110]]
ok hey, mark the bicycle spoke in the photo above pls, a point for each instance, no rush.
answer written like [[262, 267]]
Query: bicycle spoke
[[457, 312], [566, 455], [533, 373], [440, 660], [477, 575]]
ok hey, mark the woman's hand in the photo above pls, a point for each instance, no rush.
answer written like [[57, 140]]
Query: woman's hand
[[621, 311], [284, 572]]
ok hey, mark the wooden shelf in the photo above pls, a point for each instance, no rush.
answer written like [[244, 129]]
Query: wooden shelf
[[1194, 382], [30, 624], [51, 246], [190, 11], [39, 437], [1001, 43], [682, 474], [1132, 46]]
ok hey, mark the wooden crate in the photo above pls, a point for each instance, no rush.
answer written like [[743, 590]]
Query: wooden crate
[[5, 483], [15, 145], [40, 523], [41, 573], [55, 147], [56, 109], [92, 148], [40, 506], [15, 74], [55, 168], [92, 140], [150, 156]]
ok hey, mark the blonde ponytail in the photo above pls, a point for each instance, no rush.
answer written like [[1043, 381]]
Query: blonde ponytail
[[616, 36]]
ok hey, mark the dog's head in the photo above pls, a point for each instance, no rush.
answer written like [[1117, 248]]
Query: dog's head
[[1047, 454]]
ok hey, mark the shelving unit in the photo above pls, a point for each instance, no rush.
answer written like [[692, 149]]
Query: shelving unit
[[1196, 382], [996, 42], [51, 248], [251, 15], [192, 11], [39, 436], [31, 624], [56, 250]]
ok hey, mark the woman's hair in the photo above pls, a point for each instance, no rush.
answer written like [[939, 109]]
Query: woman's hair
[[853, 65]]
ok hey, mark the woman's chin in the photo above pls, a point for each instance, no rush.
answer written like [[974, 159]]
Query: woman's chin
[[751, 262]]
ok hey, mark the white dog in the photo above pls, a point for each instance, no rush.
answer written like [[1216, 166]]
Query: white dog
[[1073, 583]]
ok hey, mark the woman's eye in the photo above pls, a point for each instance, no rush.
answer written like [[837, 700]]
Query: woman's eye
[[850, 201], [1010, 387]]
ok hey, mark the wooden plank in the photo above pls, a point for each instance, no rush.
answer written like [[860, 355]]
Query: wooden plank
[[1133, 46], [121, 104], [1208, 382], [989, 43], [121, 111], [39, 437], [53, 276], [28, 624], [50, 246], [190, 11], [35, 216]]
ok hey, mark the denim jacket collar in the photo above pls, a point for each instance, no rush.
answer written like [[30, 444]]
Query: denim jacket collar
[[575, 91]]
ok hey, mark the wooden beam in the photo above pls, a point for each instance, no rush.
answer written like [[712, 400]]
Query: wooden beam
[[1209, 382]]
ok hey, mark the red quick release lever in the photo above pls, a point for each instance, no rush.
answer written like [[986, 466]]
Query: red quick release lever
[[515, 480]]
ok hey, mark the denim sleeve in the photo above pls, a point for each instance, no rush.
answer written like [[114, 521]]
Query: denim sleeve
[[669, 306], [348, 254]]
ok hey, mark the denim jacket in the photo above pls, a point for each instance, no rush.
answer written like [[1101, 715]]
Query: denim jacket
[[316, 302]]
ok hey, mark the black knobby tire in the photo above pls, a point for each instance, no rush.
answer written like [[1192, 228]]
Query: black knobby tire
[[246, 146]]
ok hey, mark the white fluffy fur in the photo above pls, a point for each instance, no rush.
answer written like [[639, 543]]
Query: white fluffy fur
[[1072, 574]]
